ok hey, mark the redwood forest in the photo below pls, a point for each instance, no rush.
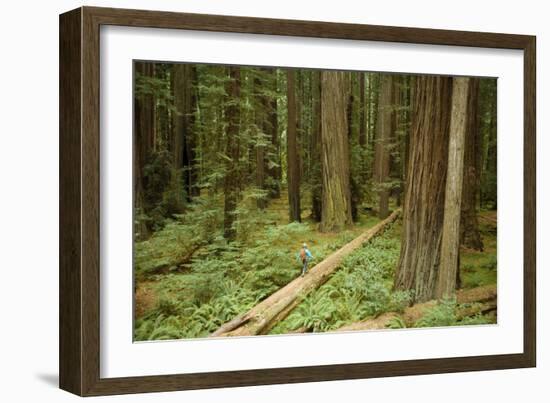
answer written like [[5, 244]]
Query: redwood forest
[[287, 200]]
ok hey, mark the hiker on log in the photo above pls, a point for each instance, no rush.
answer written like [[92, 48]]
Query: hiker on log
[[305, 257]]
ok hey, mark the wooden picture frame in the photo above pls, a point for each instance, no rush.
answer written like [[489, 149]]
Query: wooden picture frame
[[79, 347]]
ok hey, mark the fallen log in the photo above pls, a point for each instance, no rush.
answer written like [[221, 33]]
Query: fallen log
[[475, 309], [179, 263], [261, 318], [483, 299], [229, 326]]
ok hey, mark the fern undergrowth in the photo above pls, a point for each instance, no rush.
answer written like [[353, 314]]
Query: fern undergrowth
[[224, 280]]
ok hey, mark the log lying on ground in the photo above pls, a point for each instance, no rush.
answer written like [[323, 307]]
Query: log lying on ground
[[483, 299], [262, 318], [178, 264]]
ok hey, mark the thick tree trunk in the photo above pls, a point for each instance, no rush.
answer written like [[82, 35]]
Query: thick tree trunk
[[425, 190], [316, 182], [482, 299], [143, 145], [450, 238], [265, 315], [336, 197], [384, 126], [231, 181], [293, 158], [469, 226]]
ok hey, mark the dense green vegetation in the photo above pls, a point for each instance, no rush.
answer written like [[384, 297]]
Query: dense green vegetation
[[363, 288], [223, 279], [227, 280], [360, 289], [236, 167]]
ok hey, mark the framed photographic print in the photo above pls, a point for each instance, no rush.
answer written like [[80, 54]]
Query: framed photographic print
[[249, 201]]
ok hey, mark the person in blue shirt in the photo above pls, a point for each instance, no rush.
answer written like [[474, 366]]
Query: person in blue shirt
[[305, 257]]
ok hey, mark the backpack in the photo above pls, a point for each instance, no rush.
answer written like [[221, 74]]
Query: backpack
[[303, 254]]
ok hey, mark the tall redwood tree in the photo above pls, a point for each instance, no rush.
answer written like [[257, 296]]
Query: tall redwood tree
[[293, 157], [423, 208], [335, 169]]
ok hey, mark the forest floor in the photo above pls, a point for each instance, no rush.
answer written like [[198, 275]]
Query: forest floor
[[221, 282]]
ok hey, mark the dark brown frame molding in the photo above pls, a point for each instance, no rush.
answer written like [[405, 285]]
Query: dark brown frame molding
[[79, 201]]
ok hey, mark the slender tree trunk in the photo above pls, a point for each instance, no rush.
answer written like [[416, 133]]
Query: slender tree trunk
[[143, 144], [298, 100], [362, 175], [305, 135], [384, 126], [373, 106], [401, 135], [262, 128], [395, 135], [316, 183], [491, 163], [162, 125], [191, 143], [354, 186], [362, 126], [293, 159], [469, 226], [231, 182], [336, 200], [261, 202], [275, 170], [180, 88], [450, 239], [368, 105], [425, 190], [407, 136], [185, 103]]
